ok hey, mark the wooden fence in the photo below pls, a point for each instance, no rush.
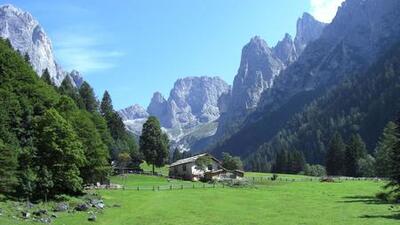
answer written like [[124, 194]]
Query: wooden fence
[[251, 182]]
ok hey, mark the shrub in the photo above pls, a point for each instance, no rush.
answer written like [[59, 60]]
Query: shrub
[[314, 170], [274, 176]]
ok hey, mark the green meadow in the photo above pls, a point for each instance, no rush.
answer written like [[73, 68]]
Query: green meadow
[[267, 202]]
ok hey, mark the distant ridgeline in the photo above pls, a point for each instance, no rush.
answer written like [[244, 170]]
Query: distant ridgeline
[[345, 81], [53, 140]]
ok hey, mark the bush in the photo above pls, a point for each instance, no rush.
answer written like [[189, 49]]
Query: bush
[[314, 170], [274, 176]]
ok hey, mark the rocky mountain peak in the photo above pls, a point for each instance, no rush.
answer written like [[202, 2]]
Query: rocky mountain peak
[[256, 45], [194, 100], [285, 50], [308, 29], [133, 112], [158, 105], [258, 68], [27, 36], [76, 77]]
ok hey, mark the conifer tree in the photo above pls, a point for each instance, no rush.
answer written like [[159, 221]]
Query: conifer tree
[[88, 97], [281, 162], [114, 121], [386, 143], [355, 150], [394, 163], [68, 89], [106, 106], [46, 77], [335, 155]]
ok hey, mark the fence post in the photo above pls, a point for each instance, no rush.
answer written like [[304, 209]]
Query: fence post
[[181, 186], [158, 187], [223, 185], [193, 186], [170, 187], [153, 188], [213, 185], [138, 188], [204, 186]]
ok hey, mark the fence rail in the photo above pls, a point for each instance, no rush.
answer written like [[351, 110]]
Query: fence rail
[[174, 187], [252, 181]]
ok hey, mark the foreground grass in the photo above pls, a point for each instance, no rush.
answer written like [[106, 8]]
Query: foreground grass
[[311, 203]]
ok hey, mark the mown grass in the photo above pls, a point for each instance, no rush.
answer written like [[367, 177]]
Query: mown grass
[[148, 168], [300, 202]]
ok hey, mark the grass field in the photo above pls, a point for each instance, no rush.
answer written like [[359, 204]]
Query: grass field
[[288, 203]]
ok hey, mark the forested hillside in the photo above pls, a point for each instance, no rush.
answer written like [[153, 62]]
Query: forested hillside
[[362, 104], [53, 140]]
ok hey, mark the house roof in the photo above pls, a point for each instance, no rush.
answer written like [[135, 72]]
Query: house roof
[[191, 159]]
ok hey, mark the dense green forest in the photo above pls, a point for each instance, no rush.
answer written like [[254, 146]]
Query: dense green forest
[[361, 105], [54, 140]]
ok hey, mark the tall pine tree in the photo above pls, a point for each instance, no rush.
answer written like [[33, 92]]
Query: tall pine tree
[[88, 97], [355, 150], [335, 156], [386, 143], [394, 168], [46, 77]]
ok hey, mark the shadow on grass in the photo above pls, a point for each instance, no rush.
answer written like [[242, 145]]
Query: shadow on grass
[[392, 217], [372, 200], [363, 199]]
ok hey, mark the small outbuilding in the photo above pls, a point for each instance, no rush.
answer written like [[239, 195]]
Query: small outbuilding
[[189, 170]]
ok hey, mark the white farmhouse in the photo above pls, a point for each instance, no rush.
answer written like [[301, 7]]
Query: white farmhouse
[[188, 170]]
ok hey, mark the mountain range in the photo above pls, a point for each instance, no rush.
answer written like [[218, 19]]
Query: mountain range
[[198, 107], [336, 77]]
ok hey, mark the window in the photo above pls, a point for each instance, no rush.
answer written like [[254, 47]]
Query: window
[[210, 167], [184, 167]]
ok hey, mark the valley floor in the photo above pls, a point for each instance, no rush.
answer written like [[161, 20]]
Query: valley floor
[[288, 203]]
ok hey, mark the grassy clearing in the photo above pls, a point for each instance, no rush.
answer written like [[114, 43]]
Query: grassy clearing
[[148, 168], [311, 203]]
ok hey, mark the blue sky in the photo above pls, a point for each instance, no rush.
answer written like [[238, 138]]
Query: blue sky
[[133, 48]]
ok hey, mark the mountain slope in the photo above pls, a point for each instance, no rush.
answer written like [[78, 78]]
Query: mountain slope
[[364, 103], [260, 66], [354, 40]]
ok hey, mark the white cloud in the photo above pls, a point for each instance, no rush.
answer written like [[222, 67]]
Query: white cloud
[[84, 52], [324, 10]]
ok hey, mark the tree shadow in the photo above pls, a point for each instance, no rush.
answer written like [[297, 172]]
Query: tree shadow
[[392, 217], [373, 200], [363, 199]]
